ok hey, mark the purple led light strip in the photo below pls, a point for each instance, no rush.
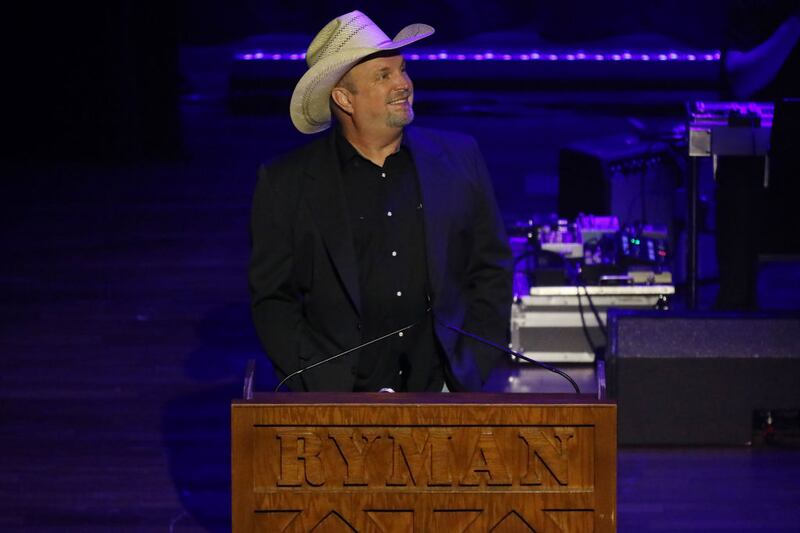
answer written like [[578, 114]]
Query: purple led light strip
[[578, 55]]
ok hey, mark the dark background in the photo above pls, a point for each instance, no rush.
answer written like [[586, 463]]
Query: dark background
[[102, 80]]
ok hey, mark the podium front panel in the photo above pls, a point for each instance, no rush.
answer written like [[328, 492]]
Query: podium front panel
[[423, 462]]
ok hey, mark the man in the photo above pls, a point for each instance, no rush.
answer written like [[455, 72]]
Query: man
[[374, 227]]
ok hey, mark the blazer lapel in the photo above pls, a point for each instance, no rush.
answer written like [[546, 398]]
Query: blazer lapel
[[434, 173], [327, 202]]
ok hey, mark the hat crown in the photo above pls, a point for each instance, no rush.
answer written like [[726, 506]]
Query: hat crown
[[353, 30], [342, 43]]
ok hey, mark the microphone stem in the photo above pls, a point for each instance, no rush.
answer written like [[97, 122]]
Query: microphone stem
[[521, 356], [342, 354]]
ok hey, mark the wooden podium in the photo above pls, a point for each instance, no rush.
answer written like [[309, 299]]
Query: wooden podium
[[378, 462]]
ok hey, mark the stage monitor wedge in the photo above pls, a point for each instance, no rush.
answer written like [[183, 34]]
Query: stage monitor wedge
[[696, 379]]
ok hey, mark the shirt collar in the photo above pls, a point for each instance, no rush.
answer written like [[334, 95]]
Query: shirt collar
[[347, 151]]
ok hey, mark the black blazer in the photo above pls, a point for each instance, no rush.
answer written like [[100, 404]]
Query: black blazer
[[303, 269]]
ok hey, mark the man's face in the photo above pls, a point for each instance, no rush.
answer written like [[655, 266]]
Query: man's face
[[383, 93]]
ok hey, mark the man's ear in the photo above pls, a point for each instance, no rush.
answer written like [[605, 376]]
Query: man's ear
[[343, 99]]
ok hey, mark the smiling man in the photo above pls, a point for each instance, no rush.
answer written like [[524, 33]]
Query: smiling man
[[374, 227]]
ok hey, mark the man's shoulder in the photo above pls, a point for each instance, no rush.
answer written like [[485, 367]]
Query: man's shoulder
[[442, 137], [298, 157]]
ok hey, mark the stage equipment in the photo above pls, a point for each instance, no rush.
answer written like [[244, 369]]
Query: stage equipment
[[568, 324], [540, 263], [721, 129], [562, 239], [697, 379], [622, 176], [730, 128], [644, 246], [550, 251]]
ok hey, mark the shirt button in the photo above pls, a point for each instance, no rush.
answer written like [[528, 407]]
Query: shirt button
[[383, 174], [400, 334], [394, 253], [399, 293], [358, 325], [388, 213]]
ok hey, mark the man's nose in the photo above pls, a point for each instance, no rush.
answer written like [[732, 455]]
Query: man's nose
[[403, 82]]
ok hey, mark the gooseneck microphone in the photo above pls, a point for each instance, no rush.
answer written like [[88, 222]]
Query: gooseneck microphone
[[511, 352], [342, 354]]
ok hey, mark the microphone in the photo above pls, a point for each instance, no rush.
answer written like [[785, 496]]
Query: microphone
[[342, 354], [511, 352]]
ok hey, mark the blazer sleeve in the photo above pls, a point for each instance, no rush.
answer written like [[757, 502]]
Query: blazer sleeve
[[274, 290], [489, 272]]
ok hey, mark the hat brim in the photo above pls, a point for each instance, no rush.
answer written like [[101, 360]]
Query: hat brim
[[309, 107]]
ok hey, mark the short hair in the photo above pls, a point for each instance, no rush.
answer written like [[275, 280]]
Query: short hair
[[346, 81]]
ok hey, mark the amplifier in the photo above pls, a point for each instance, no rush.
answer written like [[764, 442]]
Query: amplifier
[[620, 176], [557, 324]]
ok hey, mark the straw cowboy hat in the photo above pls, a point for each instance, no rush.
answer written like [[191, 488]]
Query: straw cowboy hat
[[341, 44]]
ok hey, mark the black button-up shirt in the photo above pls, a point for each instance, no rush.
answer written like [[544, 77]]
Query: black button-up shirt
[[385, 211]]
